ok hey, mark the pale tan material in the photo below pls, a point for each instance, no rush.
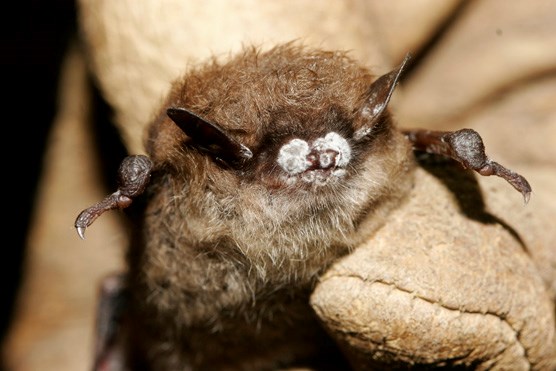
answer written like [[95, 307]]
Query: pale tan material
[[405, 26], [437, 286], [491, 71], [490, 48]]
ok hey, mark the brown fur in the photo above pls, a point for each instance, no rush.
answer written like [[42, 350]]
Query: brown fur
[[227, 257]]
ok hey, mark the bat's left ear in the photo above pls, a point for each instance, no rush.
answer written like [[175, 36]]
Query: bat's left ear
[[376, 98], [209, 137]]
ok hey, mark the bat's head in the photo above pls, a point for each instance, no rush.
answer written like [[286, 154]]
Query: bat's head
[[290, 126], [288, 118]]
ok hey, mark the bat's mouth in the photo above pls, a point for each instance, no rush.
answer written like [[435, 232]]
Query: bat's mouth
[[315, 163]]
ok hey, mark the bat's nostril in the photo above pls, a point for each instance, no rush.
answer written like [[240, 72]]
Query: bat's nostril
[[327, 158], [332, 151], [322, 159]]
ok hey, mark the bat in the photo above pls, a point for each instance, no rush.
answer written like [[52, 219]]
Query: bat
[[260, 172]]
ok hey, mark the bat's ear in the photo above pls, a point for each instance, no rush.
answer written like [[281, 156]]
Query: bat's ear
[[376, 98], [209, 137]]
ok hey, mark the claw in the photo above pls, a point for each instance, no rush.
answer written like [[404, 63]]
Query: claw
[[134, 174], [81, 232], [526, 196], [89, 215], [517, 181]]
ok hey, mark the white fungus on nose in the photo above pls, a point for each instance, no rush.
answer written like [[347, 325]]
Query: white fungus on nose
[[335, 143], [331, 151], [293, 156]]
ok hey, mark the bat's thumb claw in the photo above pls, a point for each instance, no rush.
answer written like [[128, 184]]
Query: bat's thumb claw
[[526, 197], [81, 232]]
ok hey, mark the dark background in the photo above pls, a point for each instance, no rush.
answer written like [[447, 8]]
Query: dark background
[[35, 37]]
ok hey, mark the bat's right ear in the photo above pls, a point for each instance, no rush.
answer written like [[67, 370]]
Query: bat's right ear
[[377, 97], [209, 137]]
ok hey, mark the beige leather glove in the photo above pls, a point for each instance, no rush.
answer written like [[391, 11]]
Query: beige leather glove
[[449, 281]]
